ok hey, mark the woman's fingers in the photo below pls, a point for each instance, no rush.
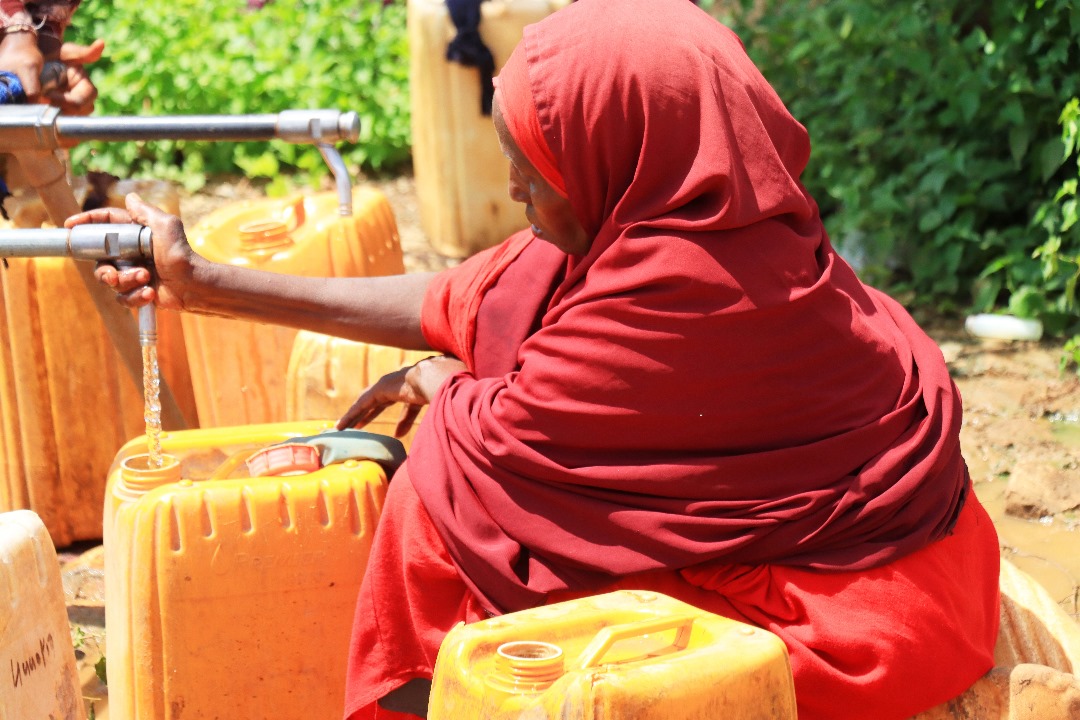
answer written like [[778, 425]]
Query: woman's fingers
[[361, 413], [137, 211], [99, 215], [143, 212], [122, 279], [386, 391], [130, 290], [405, 421]]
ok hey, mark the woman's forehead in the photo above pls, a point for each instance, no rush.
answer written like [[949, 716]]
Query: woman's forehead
[[509, 147]]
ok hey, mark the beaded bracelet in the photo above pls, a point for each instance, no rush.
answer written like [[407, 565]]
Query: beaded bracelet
[[19, 28], [11, 89]]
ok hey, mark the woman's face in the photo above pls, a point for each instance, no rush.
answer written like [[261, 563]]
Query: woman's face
[[549, 212]]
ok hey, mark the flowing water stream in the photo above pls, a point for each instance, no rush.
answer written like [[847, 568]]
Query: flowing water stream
[[152, 404]]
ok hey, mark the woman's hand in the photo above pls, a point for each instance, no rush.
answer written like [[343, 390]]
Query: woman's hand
[[413, 386], [171, 279]]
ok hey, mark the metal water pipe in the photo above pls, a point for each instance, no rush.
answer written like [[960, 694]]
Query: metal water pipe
[[34, 133]]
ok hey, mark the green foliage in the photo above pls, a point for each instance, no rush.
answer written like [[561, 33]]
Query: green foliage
[[218, 57], [941, 154], [78, 637], [1070, 356]]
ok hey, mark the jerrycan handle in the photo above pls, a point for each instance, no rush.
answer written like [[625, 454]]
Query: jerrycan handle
[[606, 638], [294, 210], [232, 462]]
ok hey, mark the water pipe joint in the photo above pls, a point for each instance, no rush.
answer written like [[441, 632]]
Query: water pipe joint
[[28, 127]]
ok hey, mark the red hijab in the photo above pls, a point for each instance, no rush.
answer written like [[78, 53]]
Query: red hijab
[[711, 382]]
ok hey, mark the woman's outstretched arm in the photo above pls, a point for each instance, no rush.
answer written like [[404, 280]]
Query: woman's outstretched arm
[[380, 310]]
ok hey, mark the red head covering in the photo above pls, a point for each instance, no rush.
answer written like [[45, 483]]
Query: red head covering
[[512, 91], [710, 382]]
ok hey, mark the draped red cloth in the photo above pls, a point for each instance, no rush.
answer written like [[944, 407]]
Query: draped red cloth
[[882, 643], [711, 381], [709, 403]]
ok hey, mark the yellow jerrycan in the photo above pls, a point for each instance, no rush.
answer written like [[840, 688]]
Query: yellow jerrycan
[[238, 367], [66, 400], [231, 595], [461, 173], [326, 374], [41, 680], [626, 654]]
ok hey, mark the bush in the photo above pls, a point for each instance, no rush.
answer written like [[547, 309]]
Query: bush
[[938, 152], [219, 57]]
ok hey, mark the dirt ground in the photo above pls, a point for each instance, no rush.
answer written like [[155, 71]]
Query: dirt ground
[[1021, 440]]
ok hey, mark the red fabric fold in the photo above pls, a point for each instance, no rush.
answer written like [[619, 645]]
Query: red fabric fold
[[711, 381], [884, 643]]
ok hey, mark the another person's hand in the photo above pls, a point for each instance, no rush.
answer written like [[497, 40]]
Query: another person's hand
[[76, 94], [22, 54], [414, 386], [171, 278]]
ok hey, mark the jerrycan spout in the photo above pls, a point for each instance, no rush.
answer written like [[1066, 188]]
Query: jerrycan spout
[[138, 475]]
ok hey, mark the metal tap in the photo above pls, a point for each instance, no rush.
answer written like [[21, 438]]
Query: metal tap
[[105, 241], [33, 134], [41, 128]]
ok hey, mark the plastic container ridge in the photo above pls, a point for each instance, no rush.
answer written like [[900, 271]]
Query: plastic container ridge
[[238, 368], [326, 374], [626, 654], [461, 173], [67, 401], [38, 660], [232, 596]]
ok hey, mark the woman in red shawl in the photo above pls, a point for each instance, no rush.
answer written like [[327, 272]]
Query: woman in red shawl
[[669, 382]]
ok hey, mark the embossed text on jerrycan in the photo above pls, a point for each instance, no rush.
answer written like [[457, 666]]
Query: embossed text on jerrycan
[[461, 173], [35, 640], [326, 374], [626, 654], [238, 368], [228, 595], [66, 401]]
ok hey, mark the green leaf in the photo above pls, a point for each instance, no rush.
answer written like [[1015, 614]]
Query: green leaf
[[969, 100], [1051, 157], [986, 295], [264, 165], [1019, 141]]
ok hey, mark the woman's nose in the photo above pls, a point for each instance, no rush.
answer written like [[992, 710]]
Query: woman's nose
[[519, 188]]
